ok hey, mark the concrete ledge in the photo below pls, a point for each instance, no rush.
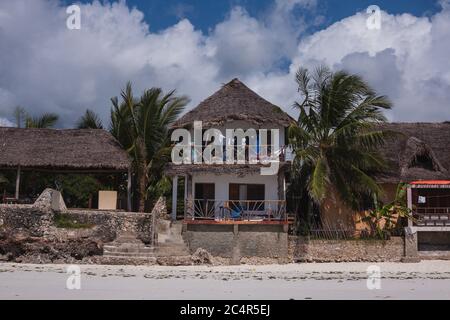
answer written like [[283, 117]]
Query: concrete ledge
[[236, 241]]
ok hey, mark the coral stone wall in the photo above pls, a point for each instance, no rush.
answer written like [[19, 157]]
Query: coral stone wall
[[310, 250], [33, 220], [111, 223]]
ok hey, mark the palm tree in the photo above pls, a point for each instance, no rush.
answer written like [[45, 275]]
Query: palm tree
[[334, 140], [142, 126], [47, 120], [90, 120], [20, 114]]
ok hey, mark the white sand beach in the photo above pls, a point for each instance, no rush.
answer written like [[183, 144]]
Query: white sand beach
[[424, 280]]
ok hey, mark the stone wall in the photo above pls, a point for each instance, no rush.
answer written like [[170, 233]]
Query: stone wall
[[238, 241], [309, 250], [25, 218], [31, 233], [38, 219], [110, 224]]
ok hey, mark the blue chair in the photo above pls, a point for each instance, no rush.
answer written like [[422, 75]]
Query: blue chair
[[236, 211]]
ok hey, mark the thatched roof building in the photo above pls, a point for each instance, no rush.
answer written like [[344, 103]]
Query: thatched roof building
[[67, 149], [235, 101], [418, 151]]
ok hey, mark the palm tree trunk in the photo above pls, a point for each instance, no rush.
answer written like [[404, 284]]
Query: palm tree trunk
[[142, 187], [142, 172]]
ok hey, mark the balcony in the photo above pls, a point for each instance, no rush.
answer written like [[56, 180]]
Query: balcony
[[235, 211], [283, 154]]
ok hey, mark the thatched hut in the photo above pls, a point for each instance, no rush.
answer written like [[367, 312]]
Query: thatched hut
[[235, 101], [61, 150], [413, 152], [418, 151]]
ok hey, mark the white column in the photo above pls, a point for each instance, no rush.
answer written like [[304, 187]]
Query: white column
[[18, 182], [409, 202], [174, 197]]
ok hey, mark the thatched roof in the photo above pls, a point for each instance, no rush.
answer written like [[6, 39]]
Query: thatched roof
[[235, 101], [240, 170], [413, 143], [68, 149]]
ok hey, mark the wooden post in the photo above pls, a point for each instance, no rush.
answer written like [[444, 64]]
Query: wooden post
[[129, 208], [174, 197], [18, 182]]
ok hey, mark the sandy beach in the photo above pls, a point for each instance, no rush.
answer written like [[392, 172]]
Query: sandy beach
[[425, 280]]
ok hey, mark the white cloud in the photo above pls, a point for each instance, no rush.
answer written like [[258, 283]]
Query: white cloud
[[6, 123], [46, 67], [407, 59]]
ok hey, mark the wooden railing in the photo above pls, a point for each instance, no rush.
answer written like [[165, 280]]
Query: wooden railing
[[228, 210], [429, 217]]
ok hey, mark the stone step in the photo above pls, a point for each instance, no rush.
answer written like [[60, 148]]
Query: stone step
[[127, 260], [129, 250], [171, 240], [128, 254], [171, 253]]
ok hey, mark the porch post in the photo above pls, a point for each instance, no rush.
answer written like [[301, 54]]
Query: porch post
[[18, 182], [281, 186], [409, 203], [189, 186], [174, 197], [129, 208]]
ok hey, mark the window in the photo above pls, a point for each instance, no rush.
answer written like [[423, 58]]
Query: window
[[247, 195], [204, 191]]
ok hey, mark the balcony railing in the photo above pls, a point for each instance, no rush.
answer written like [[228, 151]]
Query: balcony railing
[[235, 210], [284, 153], [432, 217]]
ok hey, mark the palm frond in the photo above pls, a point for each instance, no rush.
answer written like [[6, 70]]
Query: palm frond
[[90, 120]]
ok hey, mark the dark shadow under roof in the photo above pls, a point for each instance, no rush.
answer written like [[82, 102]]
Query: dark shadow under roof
[[61, 149]]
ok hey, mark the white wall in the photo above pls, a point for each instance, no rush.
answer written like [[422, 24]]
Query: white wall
[[222, 183]]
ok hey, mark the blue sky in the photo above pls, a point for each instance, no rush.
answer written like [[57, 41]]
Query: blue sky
[[205, 14], [196, 46]]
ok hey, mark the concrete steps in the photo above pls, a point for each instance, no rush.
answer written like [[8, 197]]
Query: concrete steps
[[170, 240], [128, 246], [170, 249]]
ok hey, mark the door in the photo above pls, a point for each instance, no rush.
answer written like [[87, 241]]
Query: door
[[205, 194]]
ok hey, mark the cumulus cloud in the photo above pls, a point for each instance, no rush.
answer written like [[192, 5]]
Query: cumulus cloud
[[406, 59], [45, 67]]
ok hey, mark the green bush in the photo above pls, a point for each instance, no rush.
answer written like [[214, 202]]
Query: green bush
[[66, 222]]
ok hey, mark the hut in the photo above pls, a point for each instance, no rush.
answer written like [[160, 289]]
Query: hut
[[62, 150], [417, 155], [216, 190]]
